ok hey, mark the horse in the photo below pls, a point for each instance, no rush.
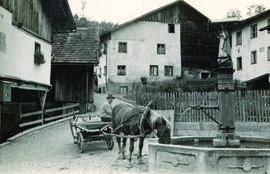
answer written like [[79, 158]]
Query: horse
[[137, 122]]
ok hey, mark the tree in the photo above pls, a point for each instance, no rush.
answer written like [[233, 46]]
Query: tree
[[234, 13], [255, 9], [84, 22]]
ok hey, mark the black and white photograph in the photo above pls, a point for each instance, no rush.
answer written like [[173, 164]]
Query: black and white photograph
[[134, 86]]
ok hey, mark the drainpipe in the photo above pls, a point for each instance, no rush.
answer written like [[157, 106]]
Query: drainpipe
[[87, 86], [106, 77]]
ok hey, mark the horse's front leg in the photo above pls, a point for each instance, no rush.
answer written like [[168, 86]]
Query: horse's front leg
[[124, 148], [131, 149], [140, 161], [119, 147]]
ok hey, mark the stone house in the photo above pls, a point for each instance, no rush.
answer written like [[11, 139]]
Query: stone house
[[170, 42]]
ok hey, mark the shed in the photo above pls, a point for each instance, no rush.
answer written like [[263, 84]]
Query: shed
[[74, 58]]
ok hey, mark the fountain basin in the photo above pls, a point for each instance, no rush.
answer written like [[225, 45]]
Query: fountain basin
[[197, 155]]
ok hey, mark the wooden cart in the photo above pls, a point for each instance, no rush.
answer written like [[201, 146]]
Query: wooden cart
[[86, 128]]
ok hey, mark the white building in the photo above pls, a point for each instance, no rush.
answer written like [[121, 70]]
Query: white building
[[251, 51], [141, 49], [26, 42], [164, 44]]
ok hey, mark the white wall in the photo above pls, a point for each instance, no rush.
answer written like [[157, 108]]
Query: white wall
[[142, 39], [17, 59], [100, 71], [250, 71]]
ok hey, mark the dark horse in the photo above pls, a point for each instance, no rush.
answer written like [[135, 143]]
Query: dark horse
[[137, 122]]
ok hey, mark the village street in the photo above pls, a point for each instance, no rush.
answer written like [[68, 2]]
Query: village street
[[51, 150]]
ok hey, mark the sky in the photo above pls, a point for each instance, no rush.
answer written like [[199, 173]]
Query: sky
[[120, 11]]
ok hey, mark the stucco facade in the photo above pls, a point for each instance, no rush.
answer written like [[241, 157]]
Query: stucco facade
[[20, 64], [246, 68], [142, 39]]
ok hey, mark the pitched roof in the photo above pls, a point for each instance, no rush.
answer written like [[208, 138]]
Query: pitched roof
[[76, 48], [234, 23], [151, 12]]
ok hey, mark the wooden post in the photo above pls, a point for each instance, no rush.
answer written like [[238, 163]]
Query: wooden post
[[0, 123], [42, 104]]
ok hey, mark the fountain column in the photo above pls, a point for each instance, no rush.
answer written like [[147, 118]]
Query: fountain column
[[226, 87]]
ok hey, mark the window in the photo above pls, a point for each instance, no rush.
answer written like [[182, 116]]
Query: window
[[205, 75], [160, 48], [239, 38], [38, 55], [268, 23], [37, 48], [253, 57], [171, 28], [239, 63], [122, 47], [105, 71], [268, 53], [168, 70], [123, 90], [153, 70], [121, 70], [253, 31]]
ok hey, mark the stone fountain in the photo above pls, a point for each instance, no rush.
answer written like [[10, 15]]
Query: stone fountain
[[227, 152]]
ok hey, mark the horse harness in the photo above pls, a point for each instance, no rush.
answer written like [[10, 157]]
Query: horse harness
[[139, 122]]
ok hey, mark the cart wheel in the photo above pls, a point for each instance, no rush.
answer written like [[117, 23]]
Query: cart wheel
[[109, 142], [72, 128], [80, 141]]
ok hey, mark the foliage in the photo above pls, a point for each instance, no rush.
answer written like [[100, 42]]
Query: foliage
[[144, 80], [39, 58], [84, 22], [255, 9], [177, 85], [234, 13]]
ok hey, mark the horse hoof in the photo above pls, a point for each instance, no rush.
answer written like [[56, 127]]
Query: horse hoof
[[129, 166], [140, 161], [124, 156]]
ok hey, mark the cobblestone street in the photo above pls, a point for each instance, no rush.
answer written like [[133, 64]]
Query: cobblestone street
[[51, 150]]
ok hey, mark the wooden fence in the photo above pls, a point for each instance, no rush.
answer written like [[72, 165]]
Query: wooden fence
[[249, 106], [37, 117]]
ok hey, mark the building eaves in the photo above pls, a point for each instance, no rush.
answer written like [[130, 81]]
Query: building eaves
[[60, 15], [147, 14]]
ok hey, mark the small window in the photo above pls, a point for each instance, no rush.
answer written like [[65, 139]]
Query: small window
[[37, 48], [253, 31], [268, 53], [153, 70], [161, 49], [123, 90], [239, 63], [105, 71], [253, 57], [239, 38], [38, 55], [122, 47], [171, 28], [205, 75], [121, 70], [168, 70], [268, 23]]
